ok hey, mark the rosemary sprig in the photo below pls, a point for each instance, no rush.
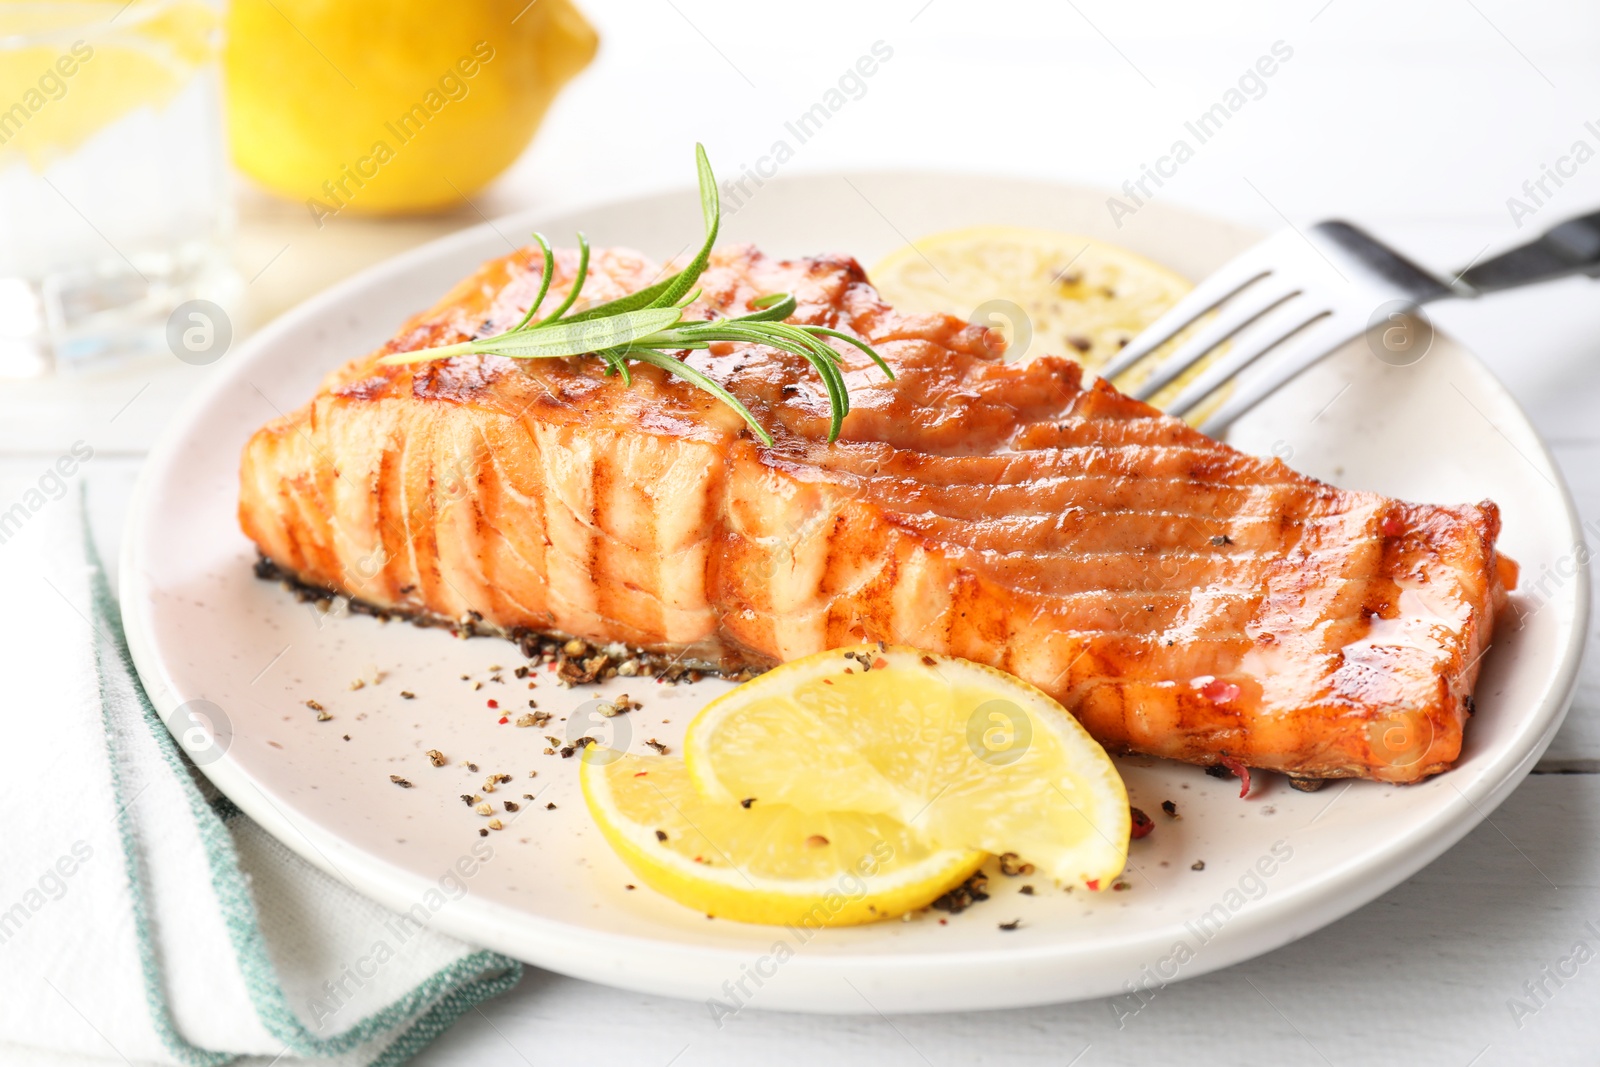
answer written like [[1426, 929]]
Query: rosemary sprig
[[648, 325]]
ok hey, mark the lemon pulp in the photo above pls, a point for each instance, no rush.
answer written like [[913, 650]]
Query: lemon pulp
[[1077, 296], [964, 755]]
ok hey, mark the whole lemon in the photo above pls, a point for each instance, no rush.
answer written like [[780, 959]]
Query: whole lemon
[[380, 106]]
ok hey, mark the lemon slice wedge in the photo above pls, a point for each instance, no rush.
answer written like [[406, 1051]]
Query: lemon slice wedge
[[762, 862], [1044, 291], [144, 64], [966, 756]]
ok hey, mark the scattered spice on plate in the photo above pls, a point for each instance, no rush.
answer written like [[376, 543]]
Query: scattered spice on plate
[[550, 806], [1170, 808], [1118, 887], [313, 705], [407, 694], [484, 809], [1239, 770], [1026, 890], [436, 757], [661, 835], [1142, 824], [1010, 867], [469, 799], [620, 706], [661, 750], [963, 896], [1198, 865], [496, 824], [482, 832], [399, 781], [512, 805], [1012, 925], [323, 716]]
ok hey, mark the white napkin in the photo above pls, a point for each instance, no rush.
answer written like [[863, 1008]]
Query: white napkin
[[142, 917]]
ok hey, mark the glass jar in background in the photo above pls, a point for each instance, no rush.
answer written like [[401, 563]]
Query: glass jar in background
[[114, 199]]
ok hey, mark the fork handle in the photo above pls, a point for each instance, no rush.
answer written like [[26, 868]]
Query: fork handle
[[1572, 247]]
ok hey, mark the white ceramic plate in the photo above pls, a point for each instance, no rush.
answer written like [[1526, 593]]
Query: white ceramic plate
[[1275, 867]]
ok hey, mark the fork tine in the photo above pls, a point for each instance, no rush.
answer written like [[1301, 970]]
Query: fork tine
[[1310, 349], [1258, 300], [1271, 333], [1240, 273]]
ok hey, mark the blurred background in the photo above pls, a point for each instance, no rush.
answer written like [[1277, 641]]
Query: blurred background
[[251, 154]]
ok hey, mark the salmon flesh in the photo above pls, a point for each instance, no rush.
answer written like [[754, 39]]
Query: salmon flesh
[[1181, 598]]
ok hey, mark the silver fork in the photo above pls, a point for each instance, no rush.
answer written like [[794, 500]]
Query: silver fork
[[1300, 295]]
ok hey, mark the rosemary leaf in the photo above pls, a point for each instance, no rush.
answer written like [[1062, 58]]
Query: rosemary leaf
[[577, 284], [563, 339], [647, 325], [711, 211], [544, 281]]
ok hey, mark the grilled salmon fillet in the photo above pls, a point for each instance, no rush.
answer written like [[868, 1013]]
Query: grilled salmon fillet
[[1181, 598]]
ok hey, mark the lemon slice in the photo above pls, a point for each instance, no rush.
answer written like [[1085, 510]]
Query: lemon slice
[[762, 862], [71, 90], [966, 756], [1077, 296]]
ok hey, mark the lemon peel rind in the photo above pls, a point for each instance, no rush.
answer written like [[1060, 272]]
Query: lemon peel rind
[[725, 893]]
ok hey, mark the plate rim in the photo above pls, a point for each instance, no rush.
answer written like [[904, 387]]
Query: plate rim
[[601, 955]]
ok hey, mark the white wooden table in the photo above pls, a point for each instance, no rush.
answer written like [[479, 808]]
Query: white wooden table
[[1418, 120]]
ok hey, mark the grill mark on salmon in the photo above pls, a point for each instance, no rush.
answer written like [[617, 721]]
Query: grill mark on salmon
[[1181, 598]]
